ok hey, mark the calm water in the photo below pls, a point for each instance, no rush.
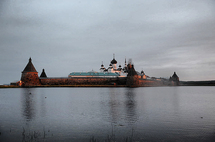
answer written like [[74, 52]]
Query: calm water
[[108, 114]]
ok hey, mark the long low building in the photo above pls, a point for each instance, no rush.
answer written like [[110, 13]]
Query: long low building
[[94, 74]]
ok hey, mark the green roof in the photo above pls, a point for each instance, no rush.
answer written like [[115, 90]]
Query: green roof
[[93, 74]]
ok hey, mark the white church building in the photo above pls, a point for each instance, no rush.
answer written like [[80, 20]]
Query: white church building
[[112, 71]]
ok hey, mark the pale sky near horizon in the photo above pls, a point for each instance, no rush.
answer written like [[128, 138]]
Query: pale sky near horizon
[[63, 36]]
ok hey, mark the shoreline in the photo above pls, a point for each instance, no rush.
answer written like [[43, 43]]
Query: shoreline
[[43, 86], [189, 83]]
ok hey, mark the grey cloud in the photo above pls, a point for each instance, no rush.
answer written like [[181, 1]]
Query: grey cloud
[[160, 36]]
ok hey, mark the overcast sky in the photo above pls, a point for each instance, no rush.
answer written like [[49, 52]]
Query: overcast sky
[[62, 36]]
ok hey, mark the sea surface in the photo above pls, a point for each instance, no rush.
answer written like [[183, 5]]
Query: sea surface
[[107, 114]]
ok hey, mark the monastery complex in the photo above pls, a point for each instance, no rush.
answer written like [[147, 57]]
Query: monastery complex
[[125, 76]]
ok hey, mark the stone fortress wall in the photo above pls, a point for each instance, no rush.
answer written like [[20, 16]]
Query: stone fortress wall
[[82, 81], [30, 78]]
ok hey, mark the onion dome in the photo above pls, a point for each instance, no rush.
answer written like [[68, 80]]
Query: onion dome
[[120, 68], [102, 67], [113, 61], [110, 66]]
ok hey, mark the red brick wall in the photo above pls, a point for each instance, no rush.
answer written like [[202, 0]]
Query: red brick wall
[[132, 81], [145, 82], [30, 79], [78, 81]]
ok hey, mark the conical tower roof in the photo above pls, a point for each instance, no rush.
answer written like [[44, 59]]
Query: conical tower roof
[[43, 74], [174, 75], [29, 67]]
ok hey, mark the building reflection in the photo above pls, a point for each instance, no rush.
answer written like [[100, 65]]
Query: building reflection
[[122, 111], [28, 104], [130, 106], [122, 105], [113, 103]]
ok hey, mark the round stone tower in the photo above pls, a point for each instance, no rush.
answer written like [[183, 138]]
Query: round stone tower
[[30, 75]]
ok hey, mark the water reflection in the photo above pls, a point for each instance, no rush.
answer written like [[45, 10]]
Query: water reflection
[[122, 106], [28, 103], [114, 105], [175, 100], [130, 105], [43, 104], [123, 114]]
